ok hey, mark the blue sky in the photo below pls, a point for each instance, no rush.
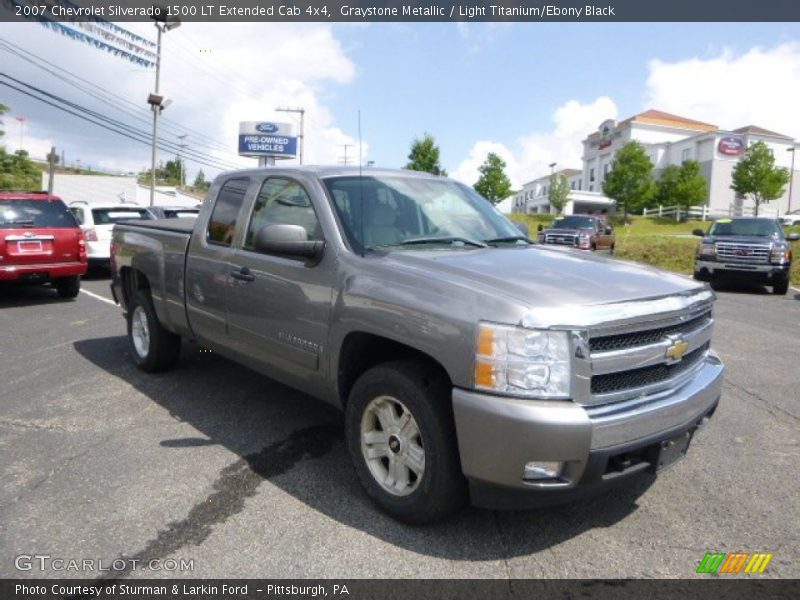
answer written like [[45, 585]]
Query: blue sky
[[528, 91]]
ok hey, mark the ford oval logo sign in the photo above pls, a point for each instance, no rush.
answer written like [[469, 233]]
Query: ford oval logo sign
[[267, 127]]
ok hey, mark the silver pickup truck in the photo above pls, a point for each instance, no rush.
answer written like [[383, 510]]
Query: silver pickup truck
[[469, 362]]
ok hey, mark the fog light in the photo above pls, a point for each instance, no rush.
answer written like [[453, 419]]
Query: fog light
[[542, 470]]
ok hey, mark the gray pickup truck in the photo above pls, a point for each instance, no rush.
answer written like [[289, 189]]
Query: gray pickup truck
[[469, 361]]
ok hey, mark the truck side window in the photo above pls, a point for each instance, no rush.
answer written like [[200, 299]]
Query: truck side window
[[283, 201], [222, 225]]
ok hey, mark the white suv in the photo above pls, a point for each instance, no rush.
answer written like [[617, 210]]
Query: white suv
[[791, 218], [97, 221]]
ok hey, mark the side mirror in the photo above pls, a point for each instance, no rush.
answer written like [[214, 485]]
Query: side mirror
[[540, 227], [698, 233], [287, 240], [793, 237], [523, 228], [609, 230]]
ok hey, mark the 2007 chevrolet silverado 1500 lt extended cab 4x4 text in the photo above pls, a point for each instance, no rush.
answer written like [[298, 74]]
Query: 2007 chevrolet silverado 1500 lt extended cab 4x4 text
[[469, 362]]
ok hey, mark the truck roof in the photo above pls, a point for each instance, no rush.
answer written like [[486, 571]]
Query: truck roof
[[323, 171]]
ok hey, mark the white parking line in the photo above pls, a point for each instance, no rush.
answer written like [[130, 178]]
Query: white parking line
[[98, 297]]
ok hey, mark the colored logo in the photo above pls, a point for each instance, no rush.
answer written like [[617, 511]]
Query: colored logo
[[676, 351], [267, 127], [731, 145], [734, 563]]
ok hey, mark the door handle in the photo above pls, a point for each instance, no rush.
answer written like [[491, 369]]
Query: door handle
[[243, 274]]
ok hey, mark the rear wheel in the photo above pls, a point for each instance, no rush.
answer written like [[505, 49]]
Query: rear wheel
[[781, 289], [401, 438], [153, 347], [68, 287]]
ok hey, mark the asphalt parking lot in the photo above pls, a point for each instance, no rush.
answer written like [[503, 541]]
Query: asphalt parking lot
[[213, 464]]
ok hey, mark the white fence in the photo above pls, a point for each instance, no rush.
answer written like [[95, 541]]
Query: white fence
[[704, 212]]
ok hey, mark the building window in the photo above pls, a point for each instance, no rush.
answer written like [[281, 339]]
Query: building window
[[591, 176], [591, 187], [686, 154], [605, 170]]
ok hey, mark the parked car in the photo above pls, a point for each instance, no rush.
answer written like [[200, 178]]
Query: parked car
[[586, 232], [40, 242], [173, 212], [468, 361], [97, 220], [748, 249], [791, 218]]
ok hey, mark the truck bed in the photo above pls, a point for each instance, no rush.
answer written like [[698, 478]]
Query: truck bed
[[180, 225]]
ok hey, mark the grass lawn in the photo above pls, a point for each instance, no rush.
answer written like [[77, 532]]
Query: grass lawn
[[658, 241]]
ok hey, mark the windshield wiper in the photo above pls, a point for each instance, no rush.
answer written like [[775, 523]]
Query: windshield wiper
[[511, 238], [447, 239]]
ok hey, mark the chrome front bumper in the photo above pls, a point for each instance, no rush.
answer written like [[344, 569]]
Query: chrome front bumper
[[497, 436]]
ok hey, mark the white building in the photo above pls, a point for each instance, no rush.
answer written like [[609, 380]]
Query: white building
[[671, 140], [534, 196], [109, 189]]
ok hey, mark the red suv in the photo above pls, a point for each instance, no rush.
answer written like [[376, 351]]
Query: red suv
[[40, 242]]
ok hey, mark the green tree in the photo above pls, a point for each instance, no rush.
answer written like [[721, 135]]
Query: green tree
[[3, 110], [682, 186], [493, 184], [756, 175], [630, 181], [558, 193], [200, 181], [174, 172], [18, 172], [424, 156]]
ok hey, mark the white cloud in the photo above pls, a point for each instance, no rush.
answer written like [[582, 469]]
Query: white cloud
[[530, 155], [476, 36], [760, 87], [215, 76]]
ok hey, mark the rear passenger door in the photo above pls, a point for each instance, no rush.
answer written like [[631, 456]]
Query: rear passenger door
[[208, 263], [278, 306]]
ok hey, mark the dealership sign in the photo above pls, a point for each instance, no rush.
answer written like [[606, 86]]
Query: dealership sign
[[267, 138], [731, 145]]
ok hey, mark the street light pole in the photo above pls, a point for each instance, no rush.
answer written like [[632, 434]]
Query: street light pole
[[791, 177], [155, 100], [181, 146]]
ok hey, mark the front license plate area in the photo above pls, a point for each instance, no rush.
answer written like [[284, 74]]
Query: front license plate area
[[672, 450]]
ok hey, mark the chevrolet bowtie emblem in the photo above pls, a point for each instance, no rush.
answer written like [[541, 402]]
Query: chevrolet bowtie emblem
[[676, 351]]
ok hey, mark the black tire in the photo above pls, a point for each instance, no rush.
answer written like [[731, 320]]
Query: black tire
[[68, 287], [611, 250], [162, 348], [441, 490], [781, 289]]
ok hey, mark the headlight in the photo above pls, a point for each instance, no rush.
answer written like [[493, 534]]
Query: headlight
[[780, 254], [522, 362], [707, 250]]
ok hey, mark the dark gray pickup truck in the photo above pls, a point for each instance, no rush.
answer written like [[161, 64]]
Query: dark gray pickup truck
[[469, 362]]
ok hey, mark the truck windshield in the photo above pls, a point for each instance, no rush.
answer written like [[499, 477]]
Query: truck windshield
[[758, 227], [415, 213], [34, 213], [573, 222]]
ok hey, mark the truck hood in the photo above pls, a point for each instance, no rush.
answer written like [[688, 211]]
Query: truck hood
[[539, 276]]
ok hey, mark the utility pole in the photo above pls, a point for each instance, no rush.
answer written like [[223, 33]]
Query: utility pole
[[52, 159], [21, 120], [793, 150], [301, 137], [345, 146], [157, 102], [181, 146]]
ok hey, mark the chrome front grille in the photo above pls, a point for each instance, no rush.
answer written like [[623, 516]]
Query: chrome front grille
[[566, 239], [642, 358], [742, 253]]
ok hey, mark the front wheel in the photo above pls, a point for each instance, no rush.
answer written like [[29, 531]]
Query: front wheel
[[402, 440], [68, 287], [153, 347], [781, 289]]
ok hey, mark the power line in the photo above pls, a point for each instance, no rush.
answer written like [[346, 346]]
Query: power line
[[114, 100], [131, 134]]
